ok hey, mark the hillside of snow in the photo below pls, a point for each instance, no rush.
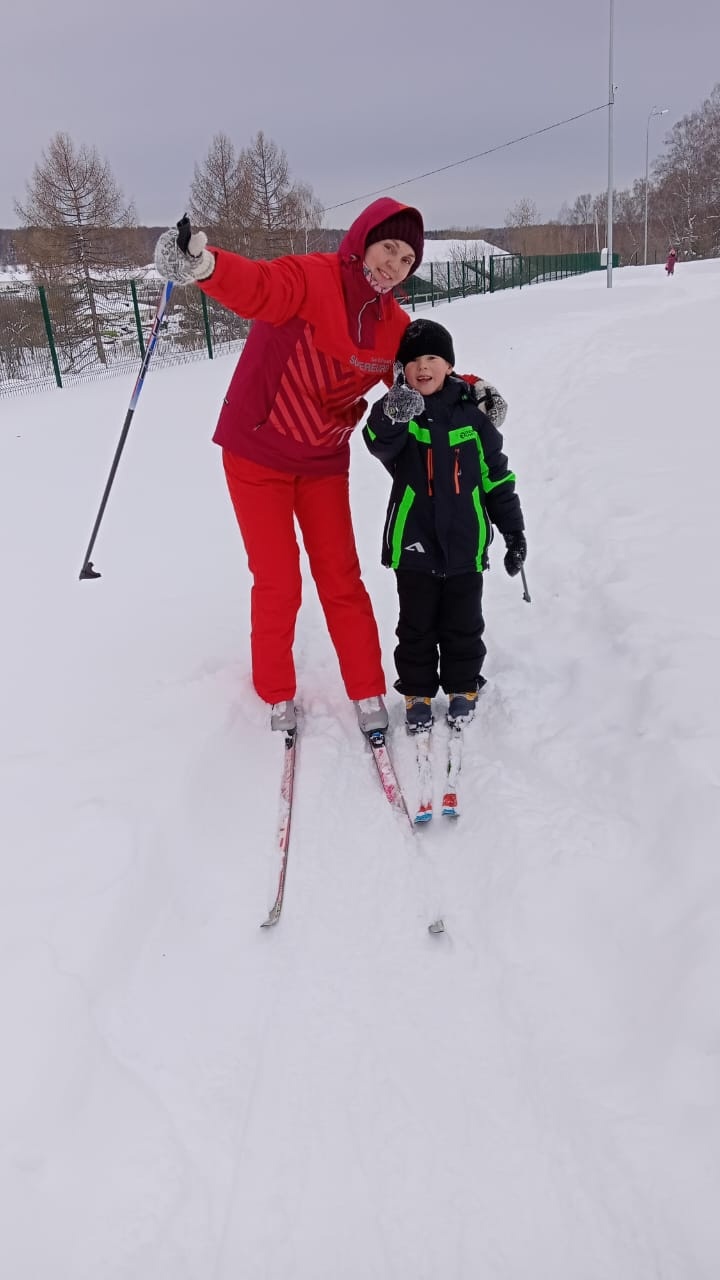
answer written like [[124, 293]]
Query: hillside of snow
[[533, 1095]]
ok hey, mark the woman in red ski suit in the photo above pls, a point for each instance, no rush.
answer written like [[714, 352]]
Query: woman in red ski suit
[[326, 330]]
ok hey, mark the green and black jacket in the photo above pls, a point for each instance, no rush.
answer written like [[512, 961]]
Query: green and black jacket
[[451, 484]]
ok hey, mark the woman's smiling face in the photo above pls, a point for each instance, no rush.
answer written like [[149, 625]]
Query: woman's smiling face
[[389, 262]]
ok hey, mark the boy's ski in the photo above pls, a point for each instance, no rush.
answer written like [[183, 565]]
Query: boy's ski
[[284, 816], [450, 804], [423, 759], [386, 773]]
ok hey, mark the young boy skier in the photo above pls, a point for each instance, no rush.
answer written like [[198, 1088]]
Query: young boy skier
[[451, 483]]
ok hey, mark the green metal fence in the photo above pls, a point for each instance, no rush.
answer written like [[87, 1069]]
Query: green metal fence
[[437, 282], [443, 281], [514, 270], [55, 335]]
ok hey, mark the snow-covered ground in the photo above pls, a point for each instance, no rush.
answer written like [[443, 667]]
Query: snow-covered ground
[[533, 1095]]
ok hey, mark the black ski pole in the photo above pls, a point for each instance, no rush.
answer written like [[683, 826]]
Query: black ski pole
[[526, 593], [87, 570]]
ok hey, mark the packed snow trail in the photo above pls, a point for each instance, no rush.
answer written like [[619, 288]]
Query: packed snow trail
[[532, 1093]]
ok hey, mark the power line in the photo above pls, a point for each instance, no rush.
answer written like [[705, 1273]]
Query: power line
[[456, 163]]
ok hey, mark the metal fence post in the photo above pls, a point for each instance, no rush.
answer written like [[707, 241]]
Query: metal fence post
[[49, 332], [138, 323]]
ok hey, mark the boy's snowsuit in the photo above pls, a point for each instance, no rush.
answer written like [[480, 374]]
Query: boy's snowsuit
[[451, 483]]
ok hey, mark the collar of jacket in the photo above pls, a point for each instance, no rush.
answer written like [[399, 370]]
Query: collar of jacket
[[363, 306], [453, 391]]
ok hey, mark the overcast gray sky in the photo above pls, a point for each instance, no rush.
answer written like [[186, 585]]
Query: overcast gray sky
[[149, 83]]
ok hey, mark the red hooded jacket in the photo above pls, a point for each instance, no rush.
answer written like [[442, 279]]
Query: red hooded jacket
[[322, 337]]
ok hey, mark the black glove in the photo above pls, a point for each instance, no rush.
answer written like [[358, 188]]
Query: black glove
[[516, 552], [402, 403]]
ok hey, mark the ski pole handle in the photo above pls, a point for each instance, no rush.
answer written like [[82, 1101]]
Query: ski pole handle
[[184, 231]]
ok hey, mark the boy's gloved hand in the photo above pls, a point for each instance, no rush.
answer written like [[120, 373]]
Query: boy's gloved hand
[[402, 403], [516, 552], [488, 399], [181, 256]]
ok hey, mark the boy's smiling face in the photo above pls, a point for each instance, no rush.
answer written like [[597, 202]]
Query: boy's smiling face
[[427, 374]]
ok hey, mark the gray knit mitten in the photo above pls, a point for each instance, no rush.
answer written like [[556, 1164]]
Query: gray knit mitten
[[171, 263], [490, 401], [402, 403]]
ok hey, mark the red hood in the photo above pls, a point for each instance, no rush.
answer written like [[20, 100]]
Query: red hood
[[352, 245]]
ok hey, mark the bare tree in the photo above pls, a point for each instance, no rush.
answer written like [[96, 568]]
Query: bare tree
[[247, 201], [581, 216], [683, 197], [522, 215], [221, 197], [629, 218], [72, 202], [279, 208], [303, 214], [468, 263], [685, 193]]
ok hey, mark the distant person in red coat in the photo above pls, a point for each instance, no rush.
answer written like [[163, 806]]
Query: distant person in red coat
[[671, 260]]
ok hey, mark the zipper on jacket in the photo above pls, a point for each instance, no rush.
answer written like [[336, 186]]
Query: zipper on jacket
[[456, 471], [360, 316], [430, 471]]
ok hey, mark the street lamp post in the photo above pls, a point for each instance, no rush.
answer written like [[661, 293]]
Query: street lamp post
[[655, 111]]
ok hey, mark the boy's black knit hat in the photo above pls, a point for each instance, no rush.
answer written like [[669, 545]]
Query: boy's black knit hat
[[425, 338]]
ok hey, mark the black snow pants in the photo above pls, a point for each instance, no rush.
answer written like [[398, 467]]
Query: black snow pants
[[439, 618]]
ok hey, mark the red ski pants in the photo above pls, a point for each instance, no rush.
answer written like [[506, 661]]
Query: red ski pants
[[266, 504]]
